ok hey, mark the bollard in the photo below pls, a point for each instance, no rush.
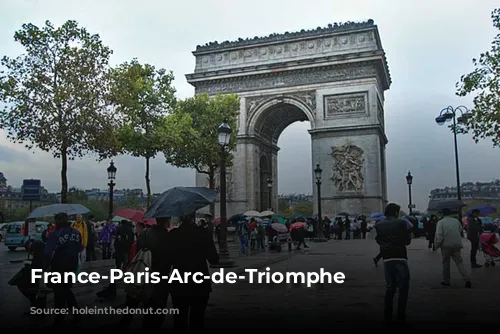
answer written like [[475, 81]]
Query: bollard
[[289, 244]]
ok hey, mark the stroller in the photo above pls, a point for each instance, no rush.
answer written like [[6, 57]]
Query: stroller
[[490, 251]]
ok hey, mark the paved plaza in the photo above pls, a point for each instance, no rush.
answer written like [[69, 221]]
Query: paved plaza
[[357, 302]]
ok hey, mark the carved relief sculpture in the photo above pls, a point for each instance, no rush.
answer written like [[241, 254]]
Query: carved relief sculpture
[[229, 183], [348, 163], [345, 104]]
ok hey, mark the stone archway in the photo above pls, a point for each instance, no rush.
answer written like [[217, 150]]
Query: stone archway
[[334, 78]]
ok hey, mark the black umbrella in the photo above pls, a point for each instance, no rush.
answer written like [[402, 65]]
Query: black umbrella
[[450, 204], [343, 214], [236, 218], [181, 201]]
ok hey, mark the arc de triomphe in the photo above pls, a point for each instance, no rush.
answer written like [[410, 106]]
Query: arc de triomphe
[[333, 77]]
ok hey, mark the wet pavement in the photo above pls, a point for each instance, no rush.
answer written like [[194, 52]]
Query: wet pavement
[[358, 302]]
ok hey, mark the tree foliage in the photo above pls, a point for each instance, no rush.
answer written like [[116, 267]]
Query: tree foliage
[[196, 145], [54, 93], [200, 149], [484, 82], [143, 95]]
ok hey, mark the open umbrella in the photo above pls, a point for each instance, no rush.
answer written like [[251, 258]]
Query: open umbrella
[[297, 226], [53, 209], [130, 214], [181, 201], [279, 228], [484, 210], [236, 218], [149, 221], [279, 219], [376, 216], [267, 213], [343, 214], [252, 213]]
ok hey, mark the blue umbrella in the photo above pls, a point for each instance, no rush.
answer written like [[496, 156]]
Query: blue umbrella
[[181, 201], [376, 216], [484, 210], [52, 210]]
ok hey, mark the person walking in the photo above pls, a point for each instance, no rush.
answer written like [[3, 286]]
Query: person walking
[[449, 239], [243, 230], [430, 231], [106, 238], [157, 239], [364, 226], [393, 236], [347, 226], [474, 230], [190, 249], [61, 255]]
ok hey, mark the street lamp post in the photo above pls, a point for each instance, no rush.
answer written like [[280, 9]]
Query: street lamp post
[[409, 181], [111, 185], [319, 233], [270, 193], [447, 114], [224, 258]]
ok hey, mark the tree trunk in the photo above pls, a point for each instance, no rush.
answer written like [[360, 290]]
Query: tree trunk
[[148, 185], [211, 185], [64, 175]]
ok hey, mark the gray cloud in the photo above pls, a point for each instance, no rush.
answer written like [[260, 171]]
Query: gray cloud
[[427, 51]]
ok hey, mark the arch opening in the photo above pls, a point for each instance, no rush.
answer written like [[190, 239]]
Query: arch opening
[[292, 168]]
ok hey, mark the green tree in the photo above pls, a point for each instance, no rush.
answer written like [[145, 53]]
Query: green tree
[[303, 208], [54, 94], [197, 146], [143, 95], [484, 82]]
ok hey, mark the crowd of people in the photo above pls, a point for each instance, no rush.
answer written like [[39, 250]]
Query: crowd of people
[[188, 248], [66, 245]]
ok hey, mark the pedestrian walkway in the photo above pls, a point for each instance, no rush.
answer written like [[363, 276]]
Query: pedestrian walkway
[[360, 297]]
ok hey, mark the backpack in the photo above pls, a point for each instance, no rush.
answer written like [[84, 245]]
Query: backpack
[[125, 237], [140, 291]]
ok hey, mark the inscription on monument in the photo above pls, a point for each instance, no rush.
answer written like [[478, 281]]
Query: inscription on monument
[[345, 104], [348, 163]]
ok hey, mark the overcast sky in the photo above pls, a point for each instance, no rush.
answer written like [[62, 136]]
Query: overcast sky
[[429, 44]]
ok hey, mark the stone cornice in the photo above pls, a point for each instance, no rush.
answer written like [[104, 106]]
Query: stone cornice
[[287, 36], [347, 131], [294, 77]]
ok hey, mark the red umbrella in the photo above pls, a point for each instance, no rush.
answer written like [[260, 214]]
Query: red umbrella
[[297, 226], [217, 221], [149, 221], [131, 214]]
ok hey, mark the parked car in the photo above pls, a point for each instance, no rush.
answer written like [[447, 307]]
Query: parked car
[[15, 234], [3, 229]]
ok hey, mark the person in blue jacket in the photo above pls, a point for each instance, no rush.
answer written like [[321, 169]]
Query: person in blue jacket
[[61, 255]]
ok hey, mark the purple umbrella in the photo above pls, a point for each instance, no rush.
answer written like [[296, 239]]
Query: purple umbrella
[[484, 210]]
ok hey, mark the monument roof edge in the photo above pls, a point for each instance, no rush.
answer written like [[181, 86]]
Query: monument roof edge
[[287, 36]]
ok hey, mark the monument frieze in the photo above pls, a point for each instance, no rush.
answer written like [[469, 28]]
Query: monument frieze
[[282, 79]]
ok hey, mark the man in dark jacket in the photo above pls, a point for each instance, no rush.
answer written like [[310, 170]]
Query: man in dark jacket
[[61, 253], [125, 237], [474, 230], [393, 236], [191, 248]]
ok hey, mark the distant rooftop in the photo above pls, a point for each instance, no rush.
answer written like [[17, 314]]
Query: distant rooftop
[[335, 27]]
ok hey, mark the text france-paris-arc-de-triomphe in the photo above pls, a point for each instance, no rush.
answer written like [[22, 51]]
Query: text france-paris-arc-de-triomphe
[[333, 77]]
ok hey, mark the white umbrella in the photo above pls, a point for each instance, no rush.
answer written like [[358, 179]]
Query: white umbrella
[[267, 213], [252, 213]]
